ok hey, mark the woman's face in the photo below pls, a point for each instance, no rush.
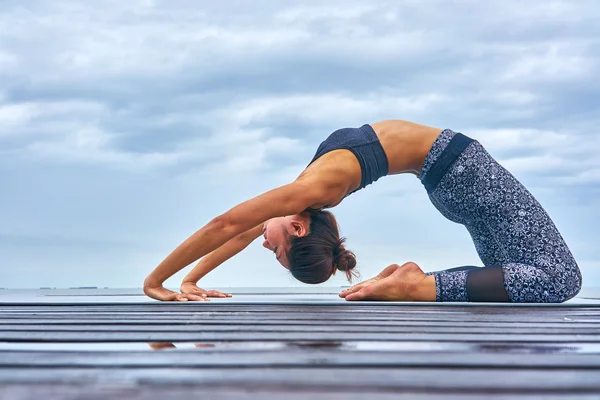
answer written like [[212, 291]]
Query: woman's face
[[277, 233]]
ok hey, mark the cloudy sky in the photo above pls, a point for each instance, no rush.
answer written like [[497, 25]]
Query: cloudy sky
[[127, 125]]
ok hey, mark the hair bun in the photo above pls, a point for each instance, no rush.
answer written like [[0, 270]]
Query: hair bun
[[344, 260]]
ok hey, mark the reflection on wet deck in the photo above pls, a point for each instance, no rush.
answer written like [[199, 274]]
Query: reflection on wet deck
[[263, 346], [283, 351]]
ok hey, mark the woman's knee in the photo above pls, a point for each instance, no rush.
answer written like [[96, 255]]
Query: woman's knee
[[565, 283], [534, 284], [572, 281]]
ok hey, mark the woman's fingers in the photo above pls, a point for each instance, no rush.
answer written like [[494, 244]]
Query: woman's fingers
[[192, 290], [197, 292], [194, 297], [163, 294], [189, 288], [178, 297], [216, 293]]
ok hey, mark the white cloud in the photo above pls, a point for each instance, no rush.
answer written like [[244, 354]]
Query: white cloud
[[14, 115], [246, 151], [333, 108], [557, 62], [69, 132], [511, 98], [8, 62], [556, 157], [20, 118], [93, 146], [584, 176], [519, 139], [74, 133], [306, 15]]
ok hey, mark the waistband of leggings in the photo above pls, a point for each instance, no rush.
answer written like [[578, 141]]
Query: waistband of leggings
[[444, 161]]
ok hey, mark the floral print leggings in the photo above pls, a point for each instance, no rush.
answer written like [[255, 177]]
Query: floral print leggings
[[525, 258]]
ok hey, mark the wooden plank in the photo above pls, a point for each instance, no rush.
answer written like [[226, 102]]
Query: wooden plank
[[151, 392], [306, 302], [347, 307], [253, 321], [305, 316], [297, 357], [319, 378], [373, 307], [292, 327], [281, 335], [224, 305], [212, 308], [262, 311]]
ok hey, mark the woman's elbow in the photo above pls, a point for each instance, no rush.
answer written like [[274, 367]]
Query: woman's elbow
[[220, 222]]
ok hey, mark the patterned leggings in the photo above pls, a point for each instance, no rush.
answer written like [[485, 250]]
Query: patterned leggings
[[525, 258]]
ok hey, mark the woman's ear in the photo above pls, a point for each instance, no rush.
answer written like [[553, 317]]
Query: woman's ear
[[300, 228]]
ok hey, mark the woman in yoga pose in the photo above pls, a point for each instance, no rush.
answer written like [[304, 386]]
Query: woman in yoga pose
[[525, 259]]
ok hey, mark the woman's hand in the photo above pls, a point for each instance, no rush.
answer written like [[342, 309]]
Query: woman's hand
[[191, 289], [158, 292]]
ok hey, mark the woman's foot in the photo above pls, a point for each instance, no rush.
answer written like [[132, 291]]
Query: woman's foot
[[406, 283], [383, 274]]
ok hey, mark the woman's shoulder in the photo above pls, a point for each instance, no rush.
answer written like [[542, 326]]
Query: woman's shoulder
[[333, 176]]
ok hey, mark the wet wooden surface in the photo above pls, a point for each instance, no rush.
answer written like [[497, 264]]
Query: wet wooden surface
[[295, 351]]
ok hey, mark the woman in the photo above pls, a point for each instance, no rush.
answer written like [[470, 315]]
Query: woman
[[524, 256]]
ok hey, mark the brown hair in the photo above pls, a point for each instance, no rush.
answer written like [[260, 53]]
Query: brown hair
[[315, 257]]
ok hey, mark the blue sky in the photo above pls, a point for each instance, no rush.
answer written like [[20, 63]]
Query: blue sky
[[126, 126]]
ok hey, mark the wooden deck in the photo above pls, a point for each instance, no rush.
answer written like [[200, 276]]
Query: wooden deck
[[295, 351]]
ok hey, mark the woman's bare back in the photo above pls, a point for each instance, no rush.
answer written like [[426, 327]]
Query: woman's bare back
[[405, 144]]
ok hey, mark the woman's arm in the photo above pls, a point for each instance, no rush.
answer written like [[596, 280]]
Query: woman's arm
[[216, 258], [286, 200]]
